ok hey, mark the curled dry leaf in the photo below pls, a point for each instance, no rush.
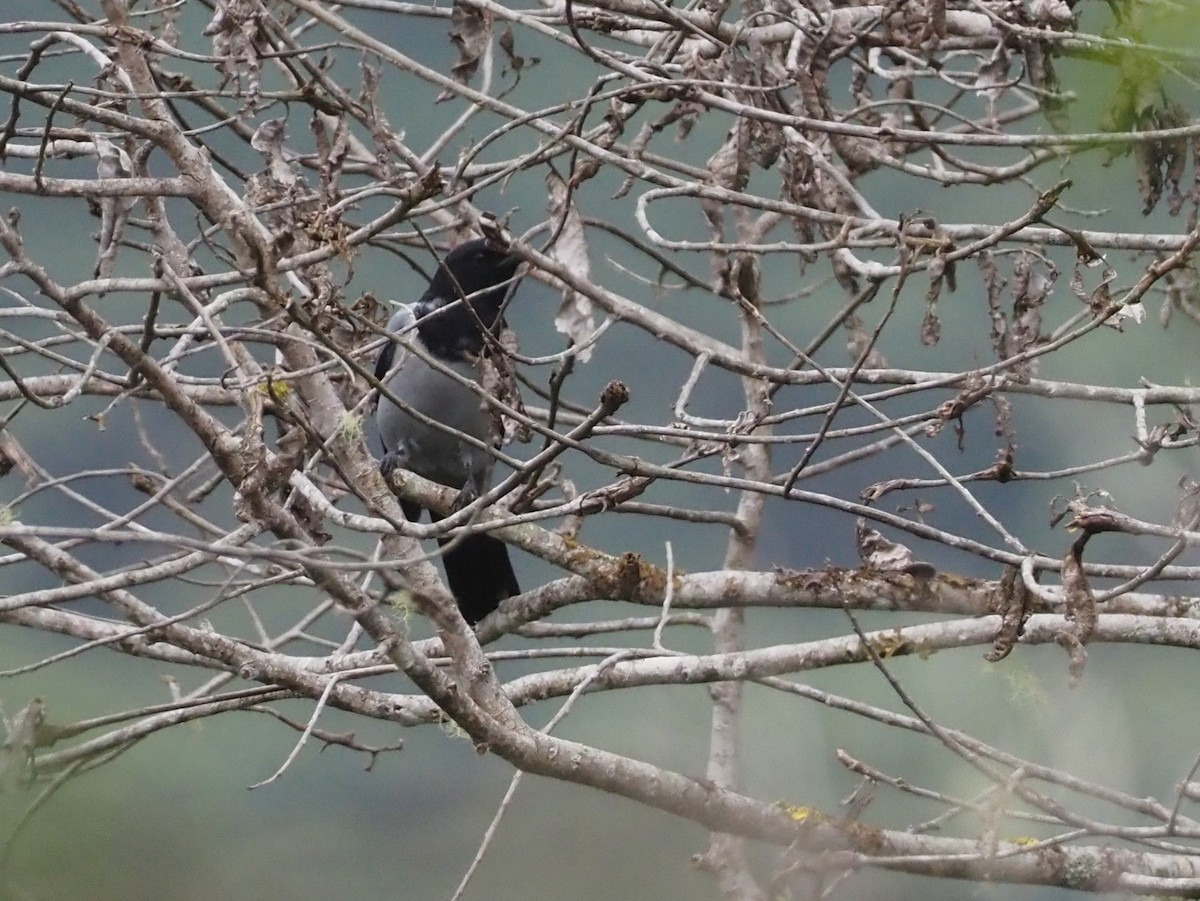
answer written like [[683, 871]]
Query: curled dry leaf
[[268, 140], [1078, 598], [992, 77], [1033, 281], [574, 318], [882, 555], [1076, 653], [1080, 605], [1004, 419], [499, 380], [1003, 470], [728, 168], [508, 43], [383, 140], [1012, 603], [20, 741], [332, 151], [239, 45], [111, 162], [516, 62], [931, 325], [1101, 298], [471, 34], [975, 389], [859, 343]]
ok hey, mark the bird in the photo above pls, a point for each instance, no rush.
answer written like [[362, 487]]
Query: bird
[[465, 297]]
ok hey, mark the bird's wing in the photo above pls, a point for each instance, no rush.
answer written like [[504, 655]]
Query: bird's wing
[[402, 321]]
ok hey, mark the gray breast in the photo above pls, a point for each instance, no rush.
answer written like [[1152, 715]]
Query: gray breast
[[421, 447]]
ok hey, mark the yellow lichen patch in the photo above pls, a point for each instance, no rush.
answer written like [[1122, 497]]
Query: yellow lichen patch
[[273, 389], [352, 427], [802, 814], [402, 605]]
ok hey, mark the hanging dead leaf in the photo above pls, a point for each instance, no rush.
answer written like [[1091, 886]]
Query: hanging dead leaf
[[992, 78], [1012, 603], [1076, 654], [1004, 418], [575, 318], [471, 34], [268, 140], [931, 325], [1078, 599], [24, 734], [239, 46], [516, 62], [728, 168], [859, 342], [499, 379], [111, 162]]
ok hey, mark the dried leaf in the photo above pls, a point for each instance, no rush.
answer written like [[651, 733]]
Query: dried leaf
[[471, 34], [1134, 312], [766, 142], [111, 162], [1194, 194], [1149, 174], [383, 140], [1079, 601], [239, 45], [575, 318], [1100, 300], [499, 379], [992, 77], [20, 741], [931, 325], [882, 555], [1175, 156], [973, 391], [860, 342], [167, 12], [268, 140], [995, 283], [1002, 470], [508, 44], [1033, 281], [747, 278], [1076, 654], [331, 154], [728, 168], [1012, 603]]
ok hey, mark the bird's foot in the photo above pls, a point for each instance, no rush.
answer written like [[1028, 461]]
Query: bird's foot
[[466, 496], [392, 461]]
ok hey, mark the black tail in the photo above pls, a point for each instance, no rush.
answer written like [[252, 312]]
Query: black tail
[[477, 568], [480, 575]]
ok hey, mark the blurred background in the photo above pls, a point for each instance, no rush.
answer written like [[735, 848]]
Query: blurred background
[[175, 816]]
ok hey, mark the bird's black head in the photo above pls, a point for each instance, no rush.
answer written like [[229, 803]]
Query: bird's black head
[[473, 268]]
